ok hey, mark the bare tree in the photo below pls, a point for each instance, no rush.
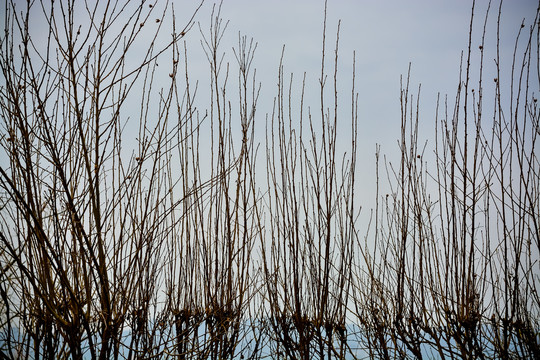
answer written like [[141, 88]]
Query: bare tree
[[146, 232], [210, 283], [85, 216], [453, 272], [311, 217]]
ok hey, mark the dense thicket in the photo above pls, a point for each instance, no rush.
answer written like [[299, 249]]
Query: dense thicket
[[134, 224]]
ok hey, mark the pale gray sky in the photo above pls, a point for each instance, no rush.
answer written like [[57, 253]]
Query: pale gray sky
[[386, 35]]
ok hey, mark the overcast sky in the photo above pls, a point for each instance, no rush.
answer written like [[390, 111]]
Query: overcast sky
[[387, 36]]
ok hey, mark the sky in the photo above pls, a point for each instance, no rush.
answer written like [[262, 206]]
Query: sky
[[386, 36]]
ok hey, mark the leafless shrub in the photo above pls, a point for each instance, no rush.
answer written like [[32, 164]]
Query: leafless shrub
[[133, 241], [311, 218], [453, 270], [85, 219]]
